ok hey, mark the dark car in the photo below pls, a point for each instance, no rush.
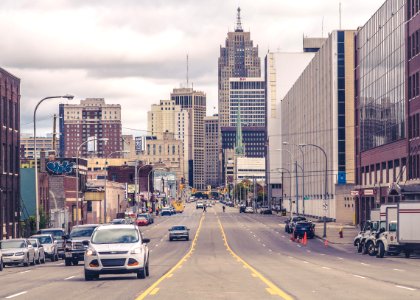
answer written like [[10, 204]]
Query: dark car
[[148, 216], [74, 243], [242, 208], [266, 211], [291, 223], [303, 227]]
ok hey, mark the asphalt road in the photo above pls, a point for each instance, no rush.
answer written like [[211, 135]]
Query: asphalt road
[[232, 256]]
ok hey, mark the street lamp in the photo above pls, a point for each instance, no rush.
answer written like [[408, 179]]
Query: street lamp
[[326, 184], [68, 97], [136, 185], [303, 173], [290, 189], [291, 163], [77, 172], [106, 163]]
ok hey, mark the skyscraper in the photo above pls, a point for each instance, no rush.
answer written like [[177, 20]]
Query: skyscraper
[[212, 165], [239, 58], [91, 118], [195, 103]]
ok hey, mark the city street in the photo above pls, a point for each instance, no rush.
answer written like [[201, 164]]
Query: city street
[[232, 256]]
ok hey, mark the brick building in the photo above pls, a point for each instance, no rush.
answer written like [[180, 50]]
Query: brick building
[[9, 154]]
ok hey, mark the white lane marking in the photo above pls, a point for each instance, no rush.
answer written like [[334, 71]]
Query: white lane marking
[[283, 236], [255, 236], [405, 287], [69, 277], [23, 272], [322, 254], [299, 246], [326, 268], [290, 257], [358, 276], [364, 264], [398, 270], [309, 251], [15, 295], [340, 258], [156, 245], [263, 245], [270, 250], [305, 262]]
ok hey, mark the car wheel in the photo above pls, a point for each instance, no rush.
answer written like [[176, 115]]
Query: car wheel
[[26, 263], [170, 239], [43, 260], [56, 257], [188, 238], [68, 262], [364, 249], [407, 254], [1, 265], [89, 276], [147, 268], [75, 262], [371, 248], [141, 274]]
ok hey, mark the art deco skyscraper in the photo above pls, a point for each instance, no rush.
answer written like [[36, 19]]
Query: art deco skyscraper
[[239, 58]]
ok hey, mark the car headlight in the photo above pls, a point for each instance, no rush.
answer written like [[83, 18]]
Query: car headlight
[[91, 252], [136, 251], [19, 253]]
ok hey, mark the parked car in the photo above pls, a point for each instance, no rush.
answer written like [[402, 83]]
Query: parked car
[[179, 232], [303, 227], [116, 249], [17, 252], [242, 208], [74, 248], [118, 221], [57, 234], [291, 223], [266, 211], [49, 245], [148, 216], [165, 212], [39, 251], [249, 210], [142, 221], [1, 261]]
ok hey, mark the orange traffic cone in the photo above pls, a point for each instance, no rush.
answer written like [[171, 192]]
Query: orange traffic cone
[[326, 243], [305, 239]]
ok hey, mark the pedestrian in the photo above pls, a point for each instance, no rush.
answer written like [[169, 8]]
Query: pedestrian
[[204, 208], [223, 207], [157, 211]]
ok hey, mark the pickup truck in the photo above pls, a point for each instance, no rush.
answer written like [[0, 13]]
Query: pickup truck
[[74, 247]]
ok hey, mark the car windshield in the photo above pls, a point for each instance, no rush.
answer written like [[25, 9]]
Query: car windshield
[[115, 236], [57, 234], [34, 242], [44, 239], [82, 232], [179, 228], [12, 244]]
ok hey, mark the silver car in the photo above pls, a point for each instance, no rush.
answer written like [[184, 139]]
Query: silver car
[[17, 252], [49, 245], [117, 249], [39, 251], [179, 232]]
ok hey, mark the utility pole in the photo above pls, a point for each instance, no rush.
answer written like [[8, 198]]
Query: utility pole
[[297, 188], [54, 146], [255, 193], [282, 190]]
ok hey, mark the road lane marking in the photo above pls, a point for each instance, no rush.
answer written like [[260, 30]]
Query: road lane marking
[[299, 246], [283, 236], [15, 295], [405, 287], [23, 272], [273, 288], [309, 251], [340, 258], [305, 262], [364, 264], [263, 245], [399, 270], [154, 292], [178, 265], [358, 276], [326, 268], [68, 278]]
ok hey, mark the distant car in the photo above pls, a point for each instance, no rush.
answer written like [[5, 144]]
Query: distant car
[[199, 204], [303, 227], [179, 232], [49, 245], [17, 252], [266, 211], [118, 221], [117, 249], [148, 216], [142, 221], [242, 208], [74, 247], [57, 234], [165, 212], [291, 223], [249, 210], [39, 251]]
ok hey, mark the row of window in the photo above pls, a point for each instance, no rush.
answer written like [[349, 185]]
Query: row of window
[[413, 7], [413, 126], [413, 86], [384, 172]]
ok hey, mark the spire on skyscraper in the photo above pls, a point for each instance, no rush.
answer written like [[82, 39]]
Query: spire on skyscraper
[[238, 21], [239, 146]]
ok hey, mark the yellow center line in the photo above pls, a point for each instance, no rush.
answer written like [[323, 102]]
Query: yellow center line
[[153, 289], [271, 287]]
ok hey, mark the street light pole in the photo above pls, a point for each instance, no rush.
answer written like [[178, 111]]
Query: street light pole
[[303, 174], [77, 172], [296, 178], [325, 183], [37, 218]]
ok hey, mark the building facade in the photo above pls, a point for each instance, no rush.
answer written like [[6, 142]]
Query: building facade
[[319, 110], [212, 161], [9, 154], [382, 107], [42, 144], [238, 58], [91, 118], [195, 103]]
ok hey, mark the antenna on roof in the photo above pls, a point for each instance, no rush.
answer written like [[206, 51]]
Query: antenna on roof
[[238, 21]]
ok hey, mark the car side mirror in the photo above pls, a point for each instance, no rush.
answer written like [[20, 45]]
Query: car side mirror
[[85, 243], [146, 241]]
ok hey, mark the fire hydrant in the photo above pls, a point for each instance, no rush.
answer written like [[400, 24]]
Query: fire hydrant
[[340, 232]]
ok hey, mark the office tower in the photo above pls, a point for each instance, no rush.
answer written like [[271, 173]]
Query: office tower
[[90, 119], [211, 154]]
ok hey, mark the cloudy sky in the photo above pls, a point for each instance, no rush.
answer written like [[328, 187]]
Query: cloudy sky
[[133, 52]]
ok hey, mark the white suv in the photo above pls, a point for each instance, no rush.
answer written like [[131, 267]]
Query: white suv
[[117, 249]]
